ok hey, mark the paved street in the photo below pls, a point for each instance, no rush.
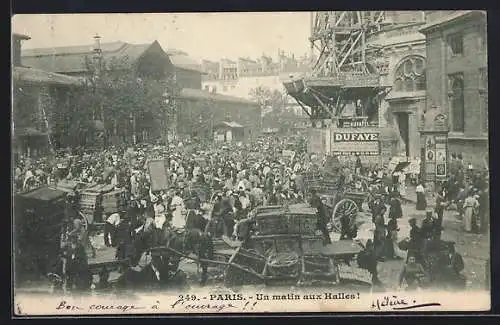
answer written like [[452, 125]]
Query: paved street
[[474, 248]]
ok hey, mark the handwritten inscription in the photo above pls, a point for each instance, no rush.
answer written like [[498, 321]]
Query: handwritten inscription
[[64, 305], [197, 305], [399, 303]]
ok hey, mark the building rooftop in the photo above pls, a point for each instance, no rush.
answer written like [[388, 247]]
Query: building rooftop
[[32, 75], [460, 14], [71, 59]]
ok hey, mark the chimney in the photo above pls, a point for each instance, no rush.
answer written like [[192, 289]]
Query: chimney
[[97, 54], [97, 45]]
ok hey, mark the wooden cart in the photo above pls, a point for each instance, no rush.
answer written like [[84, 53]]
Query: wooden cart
[[288, 231], [340, 202], [39, 224], [97, 200]]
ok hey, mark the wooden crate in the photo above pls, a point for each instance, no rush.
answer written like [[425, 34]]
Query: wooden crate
[[114, 201], [315, 264], [276, 243], [90, 201], [272, 224], [302, 224], [318, 270], [245, 267], [312, 245]]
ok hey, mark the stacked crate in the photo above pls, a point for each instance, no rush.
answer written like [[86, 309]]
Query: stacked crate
[[316, 268], [304, 224], [90, 203], [273, 221], [114, 201]]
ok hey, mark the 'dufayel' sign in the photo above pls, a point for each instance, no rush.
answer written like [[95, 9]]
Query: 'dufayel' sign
[[355, 142]]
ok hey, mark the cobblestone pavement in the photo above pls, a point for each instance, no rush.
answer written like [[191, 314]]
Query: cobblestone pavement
[[474, 248]]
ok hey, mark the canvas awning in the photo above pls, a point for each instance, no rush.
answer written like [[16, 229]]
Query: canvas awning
[[231, 125]]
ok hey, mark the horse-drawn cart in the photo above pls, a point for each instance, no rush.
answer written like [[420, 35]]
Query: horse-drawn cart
[[96, 200], [281, 247], [39, 225], [341, 199]]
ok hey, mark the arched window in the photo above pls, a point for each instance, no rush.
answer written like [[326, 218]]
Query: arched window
[[457, 102], [410, 74]]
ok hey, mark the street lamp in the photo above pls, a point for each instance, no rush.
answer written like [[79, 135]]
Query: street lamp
[[166, 102]]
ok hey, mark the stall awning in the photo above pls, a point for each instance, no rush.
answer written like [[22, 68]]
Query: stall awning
[[198, 94], [231, 125]]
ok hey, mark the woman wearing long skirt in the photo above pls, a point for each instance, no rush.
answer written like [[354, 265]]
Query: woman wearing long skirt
[[421, 201], [392, 240], [471, 205]]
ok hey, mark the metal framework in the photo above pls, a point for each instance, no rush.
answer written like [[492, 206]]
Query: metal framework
[[340, 38], [340, 75]]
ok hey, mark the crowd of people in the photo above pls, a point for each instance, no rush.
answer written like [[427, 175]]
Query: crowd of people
[[233, 180]]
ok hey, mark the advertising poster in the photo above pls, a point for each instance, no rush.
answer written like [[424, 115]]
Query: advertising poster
[[355, 142]]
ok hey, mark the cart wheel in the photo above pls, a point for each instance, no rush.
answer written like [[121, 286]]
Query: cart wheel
[[343, 207], [85, 221]]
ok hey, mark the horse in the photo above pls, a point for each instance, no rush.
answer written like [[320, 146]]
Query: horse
[[165, 248], [242, 231], [181, 244]]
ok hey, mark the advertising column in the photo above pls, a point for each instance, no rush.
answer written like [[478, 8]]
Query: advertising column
[[434, 140]]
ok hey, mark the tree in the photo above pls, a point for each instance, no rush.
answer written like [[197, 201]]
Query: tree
[[274, 106], [118, 95]]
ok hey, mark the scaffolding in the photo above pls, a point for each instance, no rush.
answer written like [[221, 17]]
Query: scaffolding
[[340, 76]]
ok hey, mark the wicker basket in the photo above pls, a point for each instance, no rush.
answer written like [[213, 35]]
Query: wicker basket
[[290, 269]]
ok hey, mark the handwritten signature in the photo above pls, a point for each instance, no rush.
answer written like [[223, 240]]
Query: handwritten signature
[[399, 303]]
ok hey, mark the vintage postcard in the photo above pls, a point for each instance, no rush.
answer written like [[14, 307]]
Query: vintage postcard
[[219, 163]]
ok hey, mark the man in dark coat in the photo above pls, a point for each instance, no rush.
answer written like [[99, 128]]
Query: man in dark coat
[[316, 202], [77, 267], [429, 225], [453, 264], [367, 259], [395, 209], [416, 240]]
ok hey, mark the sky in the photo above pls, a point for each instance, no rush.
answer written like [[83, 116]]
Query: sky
[[210, 36]]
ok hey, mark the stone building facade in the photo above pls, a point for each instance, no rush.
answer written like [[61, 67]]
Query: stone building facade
[[457, 81], [398, 54]]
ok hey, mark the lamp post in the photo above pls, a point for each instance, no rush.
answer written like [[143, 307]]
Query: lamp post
[[166, 104]]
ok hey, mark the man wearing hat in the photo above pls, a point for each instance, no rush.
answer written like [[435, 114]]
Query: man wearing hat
[[110, 226], [77, 270], [429, 225], [416, 239], [316, 202]]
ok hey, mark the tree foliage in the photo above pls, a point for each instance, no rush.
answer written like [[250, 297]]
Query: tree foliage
[[117, 94], [275, 110], [268, 99]]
